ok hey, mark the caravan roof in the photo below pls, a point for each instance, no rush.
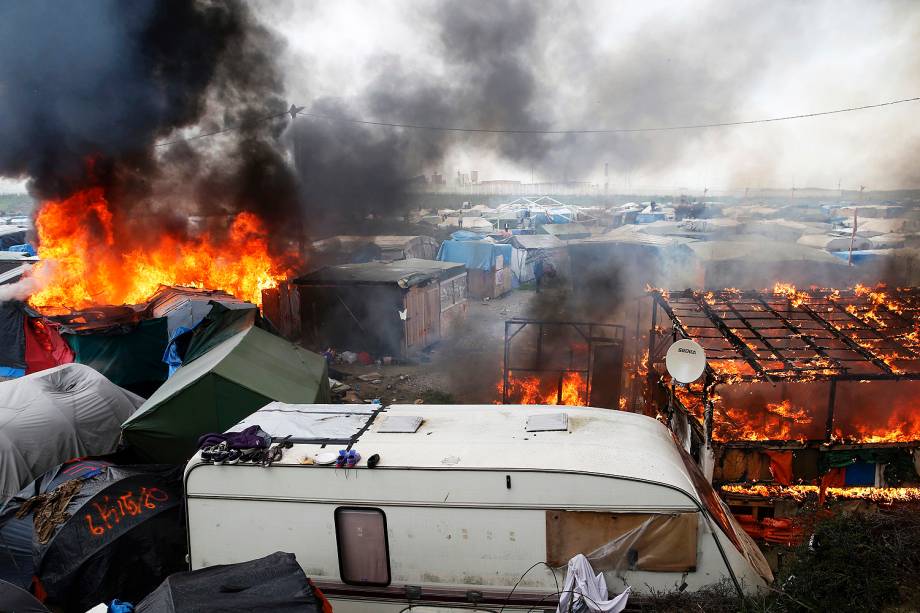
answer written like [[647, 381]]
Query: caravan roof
[[595, 440]]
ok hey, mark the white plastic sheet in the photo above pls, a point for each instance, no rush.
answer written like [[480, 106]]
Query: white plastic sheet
[[308, 421], [583, 585]]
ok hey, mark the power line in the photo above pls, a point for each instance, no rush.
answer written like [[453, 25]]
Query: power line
[[722, 124]]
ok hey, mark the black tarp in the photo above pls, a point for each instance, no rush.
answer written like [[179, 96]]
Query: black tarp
[[16, 533], [12, 335], [273, 583], [124, 535], [16, 600]]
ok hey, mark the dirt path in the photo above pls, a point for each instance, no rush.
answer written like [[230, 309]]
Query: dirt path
[[465, 368]]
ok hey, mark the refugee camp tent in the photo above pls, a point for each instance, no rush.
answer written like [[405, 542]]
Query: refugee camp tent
[[13, 264], [16, 599], [830, 242], [273, 583], [565, 231], [16, 533], [750, 264], [49, 417], [120, 534], [10, 236], [485, 263], [131, 356], [387, 309], [348, 249], [219, 385], [530, 248], [185, 307], [623, 262], [28, 342]]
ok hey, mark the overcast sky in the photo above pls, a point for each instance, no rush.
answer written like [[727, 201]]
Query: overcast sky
[[607, 64], [634, 64]]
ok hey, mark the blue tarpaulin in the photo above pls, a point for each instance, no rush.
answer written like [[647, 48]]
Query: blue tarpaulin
[[171, 355], [474, 254], [25, 248], [862, 257]]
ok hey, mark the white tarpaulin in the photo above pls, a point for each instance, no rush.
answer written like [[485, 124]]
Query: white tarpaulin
[[309, 422], [55, 415]]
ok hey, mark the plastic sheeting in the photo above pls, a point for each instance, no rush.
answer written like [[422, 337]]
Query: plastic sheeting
[[585, 590], [52, 416], [624, 541], [12, 335], [309, 422], [273, 583], [482, 254]]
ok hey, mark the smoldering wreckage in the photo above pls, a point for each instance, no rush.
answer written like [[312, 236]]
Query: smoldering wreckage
[[182, 428]]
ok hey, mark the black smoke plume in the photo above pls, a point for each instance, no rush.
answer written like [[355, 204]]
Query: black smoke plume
[[89, 88]]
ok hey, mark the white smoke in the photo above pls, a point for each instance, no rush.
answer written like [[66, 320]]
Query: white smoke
[[22, 289]]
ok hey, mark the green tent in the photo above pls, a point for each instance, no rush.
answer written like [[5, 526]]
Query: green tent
[[130, 356], [219, 388]]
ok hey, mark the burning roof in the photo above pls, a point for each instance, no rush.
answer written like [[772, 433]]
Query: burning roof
[[790, 365]]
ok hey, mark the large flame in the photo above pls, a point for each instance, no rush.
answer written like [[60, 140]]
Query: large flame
[[536, 390], [801, 493], [86, 261]]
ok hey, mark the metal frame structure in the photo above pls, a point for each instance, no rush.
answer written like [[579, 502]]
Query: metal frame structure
[[788, 336], [591, 333]]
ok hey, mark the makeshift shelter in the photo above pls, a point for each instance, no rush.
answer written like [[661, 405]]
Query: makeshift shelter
[[628, 261], [349, 249], [391, 309], [57, 414], [216, 388], [474, 224], [10, 236], [565, 231], [117, 534], [531, 248], [273, 583], [485, 262], [830, 242], [28, 342], [130, 355], [13, 264], [749, 264], [186, 307]]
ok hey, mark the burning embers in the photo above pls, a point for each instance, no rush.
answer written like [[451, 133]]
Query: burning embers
[[811, 493], [88, 257]]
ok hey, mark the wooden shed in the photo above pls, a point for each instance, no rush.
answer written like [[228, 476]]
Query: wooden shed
[[397, 308]]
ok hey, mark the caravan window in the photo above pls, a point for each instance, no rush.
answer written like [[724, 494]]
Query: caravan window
[[361, 538]]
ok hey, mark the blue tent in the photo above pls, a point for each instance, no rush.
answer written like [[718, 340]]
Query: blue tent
[[474, 254]]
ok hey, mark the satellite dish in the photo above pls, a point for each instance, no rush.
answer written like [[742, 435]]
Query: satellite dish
[[686, 361]]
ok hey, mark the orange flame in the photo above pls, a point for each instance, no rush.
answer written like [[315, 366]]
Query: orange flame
[[534, 390], [801, 493], [86, 260]]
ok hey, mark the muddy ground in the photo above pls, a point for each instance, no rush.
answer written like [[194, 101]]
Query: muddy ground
[[465, 368]]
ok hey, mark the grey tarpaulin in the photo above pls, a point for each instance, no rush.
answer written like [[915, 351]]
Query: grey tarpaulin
[[274, 583], [52, 416], [16, 599], [309, 422]]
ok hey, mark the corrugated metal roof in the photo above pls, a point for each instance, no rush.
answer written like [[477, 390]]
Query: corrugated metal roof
[[405, 273]]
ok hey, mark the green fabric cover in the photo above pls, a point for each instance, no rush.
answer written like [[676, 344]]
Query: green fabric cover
[[215, 391], [132, 359]]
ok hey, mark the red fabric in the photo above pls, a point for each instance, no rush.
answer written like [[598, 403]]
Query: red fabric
[[365, 358], [782, 531], [45, 348], [327, 606], [835, 477], [781, 466]]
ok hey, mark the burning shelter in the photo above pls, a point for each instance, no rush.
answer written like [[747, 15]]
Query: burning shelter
[[805, 393], [29, 342], [528, 249], [395, 309], [485, 262]]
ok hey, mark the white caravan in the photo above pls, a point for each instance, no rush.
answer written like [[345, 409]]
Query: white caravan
[[468, 502]]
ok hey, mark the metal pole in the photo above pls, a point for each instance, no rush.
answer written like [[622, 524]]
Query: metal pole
[[831, 401], [505, 368]]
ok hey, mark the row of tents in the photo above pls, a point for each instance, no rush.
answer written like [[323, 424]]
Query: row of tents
[[90, 484]]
